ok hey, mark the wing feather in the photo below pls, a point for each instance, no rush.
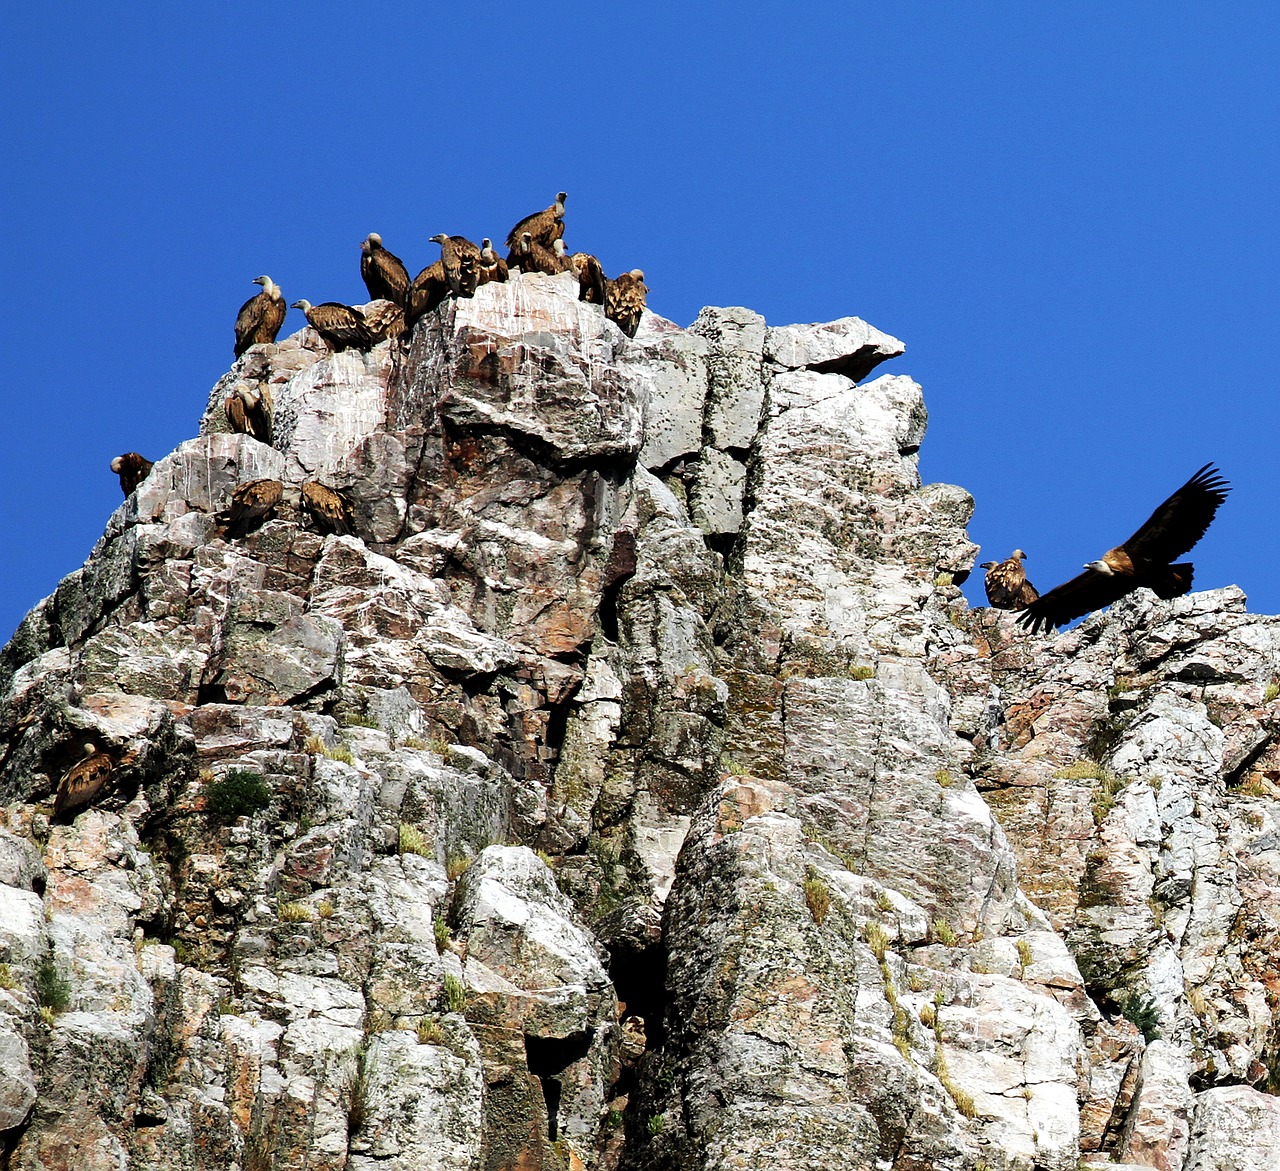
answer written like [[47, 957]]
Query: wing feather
[[1085, 592], [1177, 524]]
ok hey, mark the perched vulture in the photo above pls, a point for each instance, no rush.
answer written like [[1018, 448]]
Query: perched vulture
[[248, 412], [341, 326], [1007, 585], [327, 508], [251, 504], [385, 319], [83, 781], [452, 250], [624, 301], [132, 470], [384, 273], [530, 256], [468, 274], [1145, 559], [591, 280], [429, 289], [492, 266], [544, 226], [260, 317]]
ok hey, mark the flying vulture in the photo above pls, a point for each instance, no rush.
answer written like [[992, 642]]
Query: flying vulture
[[132, 470], [624, 301], [530, 256], [591, 279], [83, 781], [251, 504], [429, 289], [1145, 559], [384, 273], [1007, 585], [544, 226], [492, 266], [452, 250], [327, 508], [341, 326], [260, 317], [248, 412]]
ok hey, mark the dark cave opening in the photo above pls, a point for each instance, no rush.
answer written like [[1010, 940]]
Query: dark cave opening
[[547, 1057]]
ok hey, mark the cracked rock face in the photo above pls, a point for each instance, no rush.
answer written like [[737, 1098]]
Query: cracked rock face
[[632, 789]]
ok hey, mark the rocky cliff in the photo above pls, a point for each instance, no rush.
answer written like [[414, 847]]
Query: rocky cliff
[[635, 790]]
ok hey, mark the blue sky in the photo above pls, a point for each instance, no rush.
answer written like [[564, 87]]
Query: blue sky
[[1067, 212]]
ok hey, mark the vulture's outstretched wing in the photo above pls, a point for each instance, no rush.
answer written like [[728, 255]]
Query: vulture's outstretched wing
[[1181, 520], [1085, 592]]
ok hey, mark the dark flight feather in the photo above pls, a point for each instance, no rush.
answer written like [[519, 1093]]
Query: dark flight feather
[[1143, 560]]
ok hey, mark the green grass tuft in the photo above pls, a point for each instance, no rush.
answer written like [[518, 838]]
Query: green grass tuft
[[454, 994], [411, 841], [944, 933], [817, 895], [52, 990]]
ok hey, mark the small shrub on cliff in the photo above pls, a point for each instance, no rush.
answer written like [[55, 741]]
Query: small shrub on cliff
[[7, 982], [1142, 1011], [1272, 691], [241, 793], [1024, 955], [341, 753], [817, 896], [296, 913], [430, 1032], [442, 934], [358, 720], [52, 991], [657, 1123], [877, 939]]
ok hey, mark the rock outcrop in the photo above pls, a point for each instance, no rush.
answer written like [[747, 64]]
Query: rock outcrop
[[635, 789]]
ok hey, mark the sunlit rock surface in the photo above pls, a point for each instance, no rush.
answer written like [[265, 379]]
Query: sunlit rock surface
[[633, 789]]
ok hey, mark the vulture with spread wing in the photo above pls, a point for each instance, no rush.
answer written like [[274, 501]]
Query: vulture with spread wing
[[1007, 585], [1145, 559]]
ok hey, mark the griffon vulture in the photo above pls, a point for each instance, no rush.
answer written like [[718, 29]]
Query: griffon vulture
[[132, 470], [1145, 559], [251, 504], [83, 781], [384, 273], [1007, 585], [492, 266], [452, 250], [385, 319], [591, 278], [327, 508], [248, 412], [530, 256], [341, 326], [260, 317], [429, 289], [545, 226], [624, 301]]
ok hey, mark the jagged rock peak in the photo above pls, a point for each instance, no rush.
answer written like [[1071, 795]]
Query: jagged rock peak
[[631, 788]]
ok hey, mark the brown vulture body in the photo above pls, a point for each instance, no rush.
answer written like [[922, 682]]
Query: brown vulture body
[[591, 279], [1007, 585], [492, 266], [249, 412], [327, 508], [341, 326], [260, 317], [132, 470], [1145, 559], [83, 781], [384, 273], [545, 226], [385, 319], [624, 301], [452, 250], [251, 504], [530, 256], [429, 289]]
